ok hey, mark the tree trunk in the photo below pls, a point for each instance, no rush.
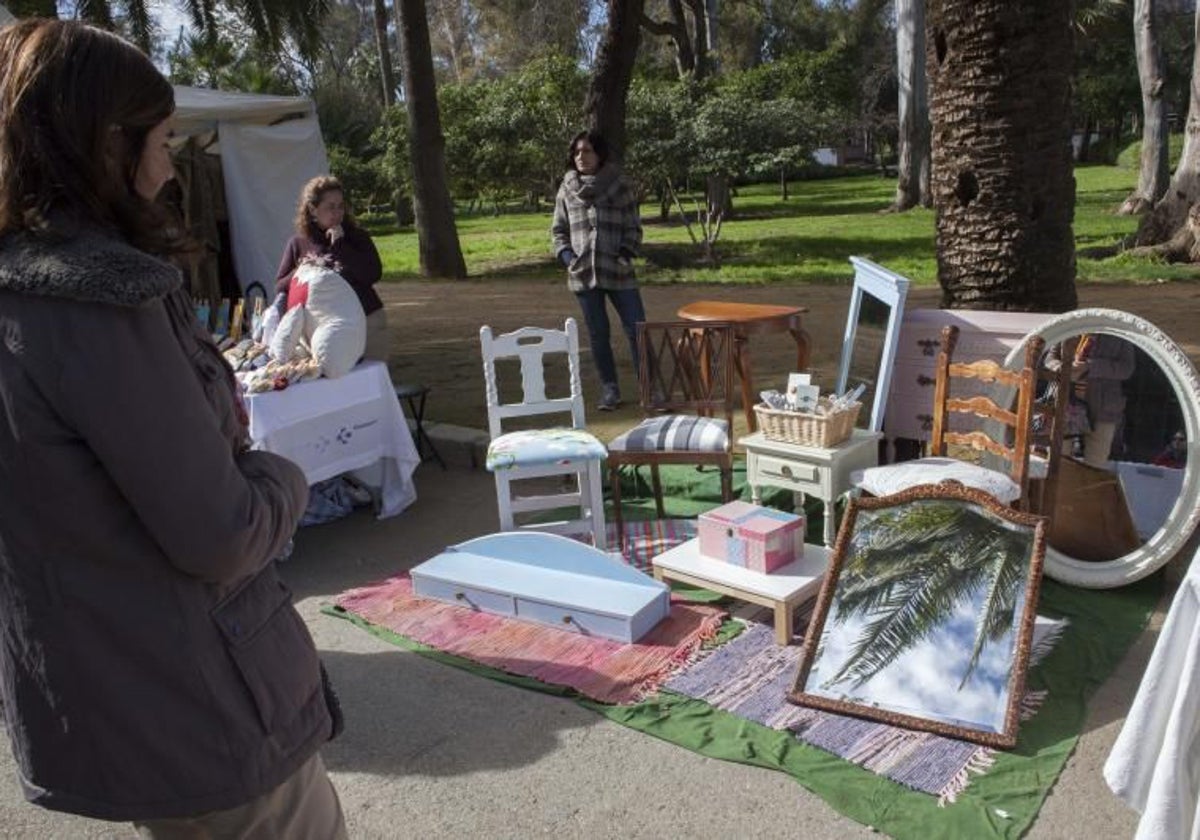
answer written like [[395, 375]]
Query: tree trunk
[[437, 236], [385, 54], [1153, 173], [32, 8], [1085, 140], [608, 91], [912, 186], [1003, 186], [1170, 213]]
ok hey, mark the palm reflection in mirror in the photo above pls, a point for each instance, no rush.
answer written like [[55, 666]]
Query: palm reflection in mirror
[[926, 614]]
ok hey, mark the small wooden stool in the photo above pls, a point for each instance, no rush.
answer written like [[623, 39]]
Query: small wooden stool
[[415, 396]]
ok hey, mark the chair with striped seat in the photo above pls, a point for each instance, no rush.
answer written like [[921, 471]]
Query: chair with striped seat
[[685, 384]]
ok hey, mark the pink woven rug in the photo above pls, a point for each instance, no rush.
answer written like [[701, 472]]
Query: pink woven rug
[[602, 669]]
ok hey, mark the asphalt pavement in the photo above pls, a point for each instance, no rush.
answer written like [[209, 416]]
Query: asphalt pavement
[[431, 751]]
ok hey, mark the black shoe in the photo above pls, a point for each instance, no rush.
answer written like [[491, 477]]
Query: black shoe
[[611, 398]]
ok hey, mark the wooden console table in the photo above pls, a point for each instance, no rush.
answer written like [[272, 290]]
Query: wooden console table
[[752, 319], [782, 590], [809, 470]]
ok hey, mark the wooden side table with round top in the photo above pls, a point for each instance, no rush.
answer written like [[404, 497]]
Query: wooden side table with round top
[[752, 319]]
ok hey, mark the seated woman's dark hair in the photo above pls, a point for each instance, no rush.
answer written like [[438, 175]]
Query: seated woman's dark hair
[[76, 105], [595, 140], [310, 196]]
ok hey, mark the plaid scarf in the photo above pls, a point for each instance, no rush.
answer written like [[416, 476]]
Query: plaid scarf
[[596, 218]]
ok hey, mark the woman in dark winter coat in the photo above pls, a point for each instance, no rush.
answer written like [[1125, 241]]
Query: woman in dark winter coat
[[152, 667], [325, 226], [596, 233]]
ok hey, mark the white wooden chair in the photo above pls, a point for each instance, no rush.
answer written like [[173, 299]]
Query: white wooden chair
[[537, 453]]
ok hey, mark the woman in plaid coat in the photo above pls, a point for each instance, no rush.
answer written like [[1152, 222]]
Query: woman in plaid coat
[[596, 233]]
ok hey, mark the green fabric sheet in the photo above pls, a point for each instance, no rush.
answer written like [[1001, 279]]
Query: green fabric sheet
[[1001, 803]]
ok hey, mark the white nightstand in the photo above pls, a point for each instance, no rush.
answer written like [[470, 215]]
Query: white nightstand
[[809, 470]]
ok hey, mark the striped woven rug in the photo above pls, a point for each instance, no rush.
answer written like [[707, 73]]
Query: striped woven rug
[[751, 675], [647, 539]]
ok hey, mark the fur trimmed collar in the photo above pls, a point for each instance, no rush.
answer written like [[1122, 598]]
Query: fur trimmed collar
[[91, 266]]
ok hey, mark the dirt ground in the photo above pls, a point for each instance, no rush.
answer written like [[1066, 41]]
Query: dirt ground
[[435, 328]]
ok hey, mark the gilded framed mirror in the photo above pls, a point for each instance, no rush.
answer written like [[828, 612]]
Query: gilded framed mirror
[[872, 333], [1145, 463], [926, 614]]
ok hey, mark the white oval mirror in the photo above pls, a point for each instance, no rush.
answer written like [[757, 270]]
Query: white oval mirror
[[1178, 514]]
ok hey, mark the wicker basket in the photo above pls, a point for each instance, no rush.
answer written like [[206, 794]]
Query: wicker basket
[[804, 429]]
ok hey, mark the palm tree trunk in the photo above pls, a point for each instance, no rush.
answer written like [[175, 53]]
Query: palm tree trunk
[[437, 236], [1154, 172], [1003, 188]]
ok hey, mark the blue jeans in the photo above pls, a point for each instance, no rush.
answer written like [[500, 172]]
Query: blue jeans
[[628, 303]]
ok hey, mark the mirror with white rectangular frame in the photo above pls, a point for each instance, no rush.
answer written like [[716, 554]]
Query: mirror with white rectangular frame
[[872, 335]]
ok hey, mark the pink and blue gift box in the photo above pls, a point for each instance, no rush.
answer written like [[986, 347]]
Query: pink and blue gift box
[[757, 538]]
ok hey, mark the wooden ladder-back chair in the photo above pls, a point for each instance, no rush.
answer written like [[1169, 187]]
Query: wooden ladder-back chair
[[686, 391], [998, 430], [1013, 446], [566, 449]]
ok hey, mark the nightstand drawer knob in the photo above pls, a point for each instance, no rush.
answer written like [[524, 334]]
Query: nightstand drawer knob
[[786, 470]]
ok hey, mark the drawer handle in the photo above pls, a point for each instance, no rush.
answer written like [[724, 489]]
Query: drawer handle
[[926, 422], [460, 596], [928, 345], [786, 471], [924, 380], [566, 619]]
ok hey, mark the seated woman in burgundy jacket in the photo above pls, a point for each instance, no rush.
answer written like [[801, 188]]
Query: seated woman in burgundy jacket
[[325, 226]]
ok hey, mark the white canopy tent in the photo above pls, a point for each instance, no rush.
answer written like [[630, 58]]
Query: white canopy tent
[[269, 147]]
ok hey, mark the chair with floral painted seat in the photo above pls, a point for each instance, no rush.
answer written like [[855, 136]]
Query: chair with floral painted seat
[[541, 468]]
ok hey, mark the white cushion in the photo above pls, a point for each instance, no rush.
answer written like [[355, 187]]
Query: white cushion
[[674, 433], [339, 331], [894, 478]]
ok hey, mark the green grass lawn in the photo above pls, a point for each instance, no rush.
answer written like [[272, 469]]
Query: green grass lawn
[[807, 238]]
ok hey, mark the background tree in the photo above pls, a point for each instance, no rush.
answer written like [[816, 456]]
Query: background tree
[[608, 92], [688, 27], [1170, 229], [437, 234], [1106, 96], [1002, 182], [387, 77], [912, 163], [1153, 169]]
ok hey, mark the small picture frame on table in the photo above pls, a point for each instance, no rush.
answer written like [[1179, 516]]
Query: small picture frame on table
[[802, 395]]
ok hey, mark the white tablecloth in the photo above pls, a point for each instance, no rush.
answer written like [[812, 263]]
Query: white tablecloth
[[1154, 766], [332, 426]]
